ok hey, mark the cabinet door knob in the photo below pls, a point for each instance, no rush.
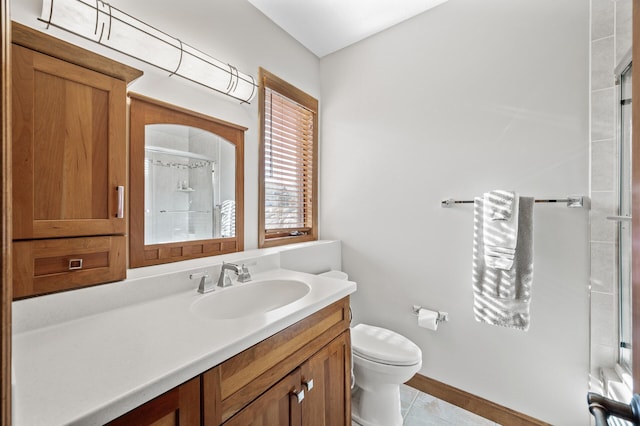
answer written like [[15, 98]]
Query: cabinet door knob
[[308, 384], [120, 213], [299, 395]]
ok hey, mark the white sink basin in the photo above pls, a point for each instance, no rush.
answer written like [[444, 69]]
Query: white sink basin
[[252, 298]]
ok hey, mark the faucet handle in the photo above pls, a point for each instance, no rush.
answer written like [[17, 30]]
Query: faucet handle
[[243, 274], [206, 283]]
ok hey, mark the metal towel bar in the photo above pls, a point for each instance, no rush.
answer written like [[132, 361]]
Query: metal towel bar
[[573, 201]]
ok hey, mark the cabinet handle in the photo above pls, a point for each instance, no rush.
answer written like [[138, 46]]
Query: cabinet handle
[[120, 213], [298, 394], [308, 384], [75, 264]]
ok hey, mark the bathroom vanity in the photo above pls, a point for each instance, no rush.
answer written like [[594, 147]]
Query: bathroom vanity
[[301, 372], [162, 361]]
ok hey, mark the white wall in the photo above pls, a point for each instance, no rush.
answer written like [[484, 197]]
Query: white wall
[[229, 30], [465, 98]]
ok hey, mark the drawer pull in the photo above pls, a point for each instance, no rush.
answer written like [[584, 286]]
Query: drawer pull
[[308, 384], [299, 395], [120, 213], [75, 264]]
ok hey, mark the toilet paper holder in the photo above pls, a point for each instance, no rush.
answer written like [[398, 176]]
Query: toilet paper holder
[[442, 316]]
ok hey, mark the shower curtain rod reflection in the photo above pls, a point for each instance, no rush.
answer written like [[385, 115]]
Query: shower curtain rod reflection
[[573, 201]]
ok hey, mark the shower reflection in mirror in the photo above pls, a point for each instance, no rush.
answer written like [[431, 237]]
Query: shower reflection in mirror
[[185, 196]]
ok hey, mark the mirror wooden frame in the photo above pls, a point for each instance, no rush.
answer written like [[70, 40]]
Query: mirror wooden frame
[[143, 111]]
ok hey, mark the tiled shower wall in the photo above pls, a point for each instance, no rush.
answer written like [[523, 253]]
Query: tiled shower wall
[[610, 41]]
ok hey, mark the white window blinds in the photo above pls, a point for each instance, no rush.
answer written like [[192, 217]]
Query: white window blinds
[[288, 166]]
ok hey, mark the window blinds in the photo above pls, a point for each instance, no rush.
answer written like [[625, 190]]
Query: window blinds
[[288, 166]]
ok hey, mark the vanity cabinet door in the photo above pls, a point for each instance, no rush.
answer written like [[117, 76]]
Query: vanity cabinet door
[[315, 394], [326, 380], [178, 407], [279, 406], [68, 149]]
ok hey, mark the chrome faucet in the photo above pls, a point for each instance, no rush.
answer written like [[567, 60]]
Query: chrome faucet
[[241, 271], [223, 279], [206, 283]]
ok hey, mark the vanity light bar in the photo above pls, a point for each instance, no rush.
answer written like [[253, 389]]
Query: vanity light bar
[[104, 24]]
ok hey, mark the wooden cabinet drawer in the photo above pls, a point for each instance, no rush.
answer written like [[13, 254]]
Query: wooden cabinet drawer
[[47, 266], [244, 377]]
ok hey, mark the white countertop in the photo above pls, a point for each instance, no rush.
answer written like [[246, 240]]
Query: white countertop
[[92, 369]]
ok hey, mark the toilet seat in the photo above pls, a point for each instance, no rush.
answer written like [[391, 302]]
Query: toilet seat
[[384, 346]]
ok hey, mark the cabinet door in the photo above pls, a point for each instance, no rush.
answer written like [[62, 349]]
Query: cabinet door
[[68, 148], [178, 407], [326, 378], [279, 406]]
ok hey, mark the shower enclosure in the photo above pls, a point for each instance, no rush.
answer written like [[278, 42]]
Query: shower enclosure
[[623, 218]]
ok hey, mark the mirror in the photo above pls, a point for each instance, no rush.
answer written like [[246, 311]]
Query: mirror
[[186, 174], [189, 185]]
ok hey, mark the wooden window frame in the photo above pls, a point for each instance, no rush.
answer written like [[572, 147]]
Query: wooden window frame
[[265, 239]]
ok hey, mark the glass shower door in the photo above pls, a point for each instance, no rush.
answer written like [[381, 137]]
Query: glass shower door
[[624, 222]]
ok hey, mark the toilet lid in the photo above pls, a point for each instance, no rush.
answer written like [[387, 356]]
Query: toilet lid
[[383, 346]]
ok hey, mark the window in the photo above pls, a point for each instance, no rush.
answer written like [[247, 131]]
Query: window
[[288, 206]]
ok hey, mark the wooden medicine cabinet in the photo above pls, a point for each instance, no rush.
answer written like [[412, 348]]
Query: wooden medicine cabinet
[[187, 184], [69, 165]]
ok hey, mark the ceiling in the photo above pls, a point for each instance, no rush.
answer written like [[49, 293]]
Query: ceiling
[[325, 26]]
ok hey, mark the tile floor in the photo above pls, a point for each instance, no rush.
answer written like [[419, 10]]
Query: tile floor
[[421, 409]]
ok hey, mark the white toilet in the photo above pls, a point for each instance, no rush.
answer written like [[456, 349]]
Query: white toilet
[[382, 360]]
